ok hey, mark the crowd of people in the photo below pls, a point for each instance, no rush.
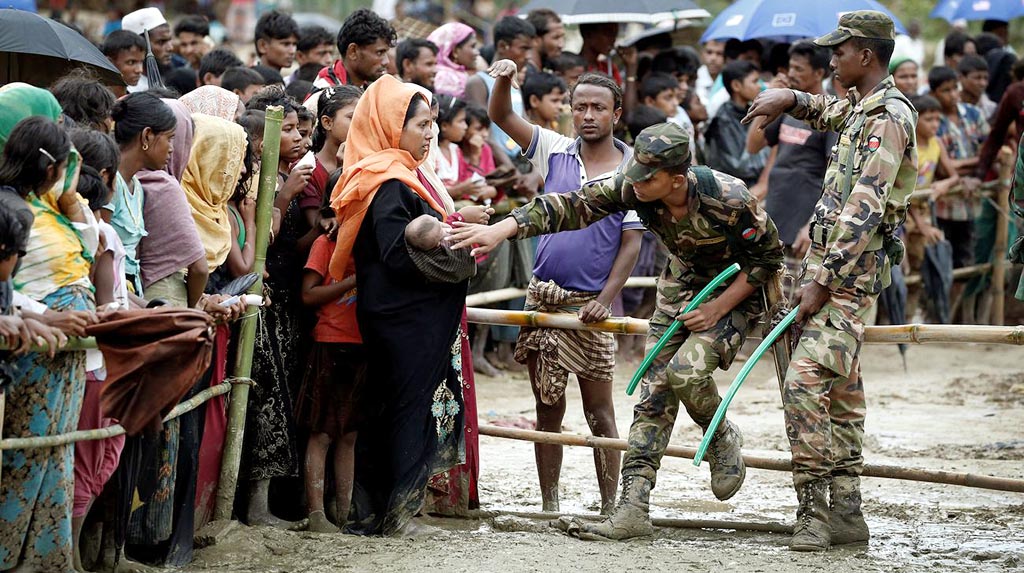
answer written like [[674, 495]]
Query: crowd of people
[[362, 413]]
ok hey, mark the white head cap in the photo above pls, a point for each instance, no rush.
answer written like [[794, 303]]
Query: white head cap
[[142, 20]]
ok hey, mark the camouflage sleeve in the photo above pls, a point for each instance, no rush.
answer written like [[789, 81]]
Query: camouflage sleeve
[[885, 138], [556, 212], [822, 112], [762, 256]]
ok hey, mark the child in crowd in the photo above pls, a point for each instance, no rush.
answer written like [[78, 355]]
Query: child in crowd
[[475, 151], [461, 182], [931, 158], [962, 130], [271, 442], [244, 82], [659, 90], [544, 100], [127, 51], [569, 67], [96, 460], [335, 107], [315, 46], [324, 404], [973, 72], [276, 37]]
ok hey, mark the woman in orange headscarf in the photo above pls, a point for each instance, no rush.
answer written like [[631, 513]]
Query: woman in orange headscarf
[[411, 326]]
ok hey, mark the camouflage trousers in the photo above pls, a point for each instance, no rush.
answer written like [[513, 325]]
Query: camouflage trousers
[[680, 373], [824, 393]]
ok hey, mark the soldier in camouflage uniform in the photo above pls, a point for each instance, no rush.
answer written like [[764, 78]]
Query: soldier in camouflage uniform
[[867, 186], [707, 220]]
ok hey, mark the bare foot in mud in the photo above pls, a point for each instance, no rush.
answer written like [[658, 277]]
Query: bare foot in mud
[[318, 523], [482, 366], [124, 565]]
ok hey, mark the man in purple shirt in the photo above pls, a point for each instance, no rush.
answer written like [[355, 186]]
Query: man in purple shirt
[[578, 272]]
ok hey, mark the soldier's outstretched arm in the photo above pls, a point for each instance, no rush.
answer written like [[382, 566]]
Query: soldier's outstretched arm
[[885, 140], [549, 213]]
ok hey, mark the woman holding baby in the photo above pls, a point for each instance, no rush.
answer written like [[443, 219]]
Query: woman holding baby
[[411, 296]]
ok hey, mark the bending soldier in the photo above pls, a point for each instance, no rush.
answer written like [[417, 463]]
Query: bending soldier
[[707, 220], [868, 182]]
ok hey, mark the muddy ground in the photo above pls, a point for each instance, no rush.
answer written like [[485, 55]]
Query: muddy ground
[[958, 408]]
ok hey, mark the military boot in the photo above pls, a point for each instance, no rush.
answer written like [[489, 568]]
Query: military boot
[[811, 532], [846, 519], [726, 460], [630, 518]]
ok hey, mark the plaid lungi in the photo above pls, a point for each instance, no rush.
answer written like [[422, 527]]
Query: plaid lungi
[[590, 355]]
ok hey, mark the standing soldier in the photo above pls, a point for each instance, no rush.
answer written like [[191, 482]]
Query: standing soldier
[[867, 185], [707, 220]]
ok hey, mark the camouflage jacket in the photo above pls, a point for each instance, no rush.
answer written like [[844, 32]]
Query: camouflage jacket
[[847, 237], [724, 224]]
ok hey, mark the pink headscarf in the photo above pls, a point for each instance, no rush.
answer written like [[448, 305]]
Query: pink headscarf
[[212, 100], [451, 77]]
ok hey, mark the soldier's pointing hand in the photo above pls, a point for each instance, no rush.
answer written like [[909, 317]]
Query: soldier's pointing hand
[[770, 104]]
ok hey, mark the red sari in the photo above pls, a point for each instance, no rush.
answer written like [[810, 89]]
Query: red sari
[[454, 492]]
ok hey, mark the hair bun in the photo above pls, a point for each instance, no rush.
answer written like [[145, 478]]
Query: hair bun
[[119, 110]]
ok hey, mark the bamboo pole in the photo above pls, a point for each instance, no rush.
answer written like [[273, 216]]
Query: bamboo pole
[[900, 334], [503, 294], [656, 521], [764, 463], [110, 431], [999, 249], [228, 481], [958, 274]]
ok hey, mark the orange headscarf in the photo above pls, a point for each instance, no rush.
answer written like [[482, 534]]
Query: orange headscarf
[[372, 158]]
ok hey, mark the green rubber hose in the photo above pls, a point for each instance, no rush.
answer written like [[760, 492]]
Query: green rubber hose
[[672, 328], [720, 413]]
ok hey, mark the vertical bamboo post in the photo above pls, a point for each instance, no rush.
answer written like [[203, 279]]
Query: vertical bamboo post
[[3, 404], [247, 333], [999, 248]]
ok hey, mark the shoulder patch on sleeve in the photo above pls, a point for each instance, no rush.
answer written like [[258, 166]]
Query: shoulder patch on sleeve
[[874, 142]]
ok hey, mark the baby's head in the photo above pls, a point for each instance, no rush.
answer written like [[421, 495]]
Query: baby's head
[[424, 233]]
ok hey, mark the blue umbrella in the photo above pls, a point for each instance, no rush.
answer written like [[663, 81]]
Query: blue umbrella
[[1005, 10], [26, 5], [752, 19]]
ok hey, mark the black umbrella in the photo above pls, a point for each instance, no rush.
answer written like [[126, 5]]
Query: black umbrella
[[937, 277], [152, 68], [894, 297], [601, 11], [37, 51]]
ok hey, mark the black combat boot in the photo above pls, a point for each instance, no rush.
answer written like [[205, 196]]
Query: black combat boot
[[811, 532], [846, 519]]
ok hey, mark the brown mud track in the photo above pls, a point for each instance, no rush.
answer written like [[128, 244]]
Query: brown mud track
[[957, 408]]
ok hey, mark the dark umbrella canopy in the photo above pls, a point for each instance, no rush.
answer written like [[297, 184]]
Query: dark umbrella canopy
[[37, 51], [601, 11], [894, 298], [937, 277]]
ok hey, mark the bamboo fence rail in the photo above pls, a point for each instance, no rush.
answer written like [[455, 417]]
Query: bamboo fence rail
[[764, 463], [900, 334]]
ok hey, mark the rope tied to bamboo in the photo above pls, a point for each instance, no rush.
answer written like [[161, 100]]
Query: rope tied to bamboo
[[239, 380]]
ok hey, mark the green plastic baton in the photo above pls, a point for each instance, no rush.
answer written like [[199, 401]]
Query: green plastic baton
[[720, 413], [672, 328]]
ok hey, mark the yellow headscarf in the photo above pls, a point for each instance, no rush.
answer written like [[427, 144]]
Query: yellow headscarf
[[210, 179]]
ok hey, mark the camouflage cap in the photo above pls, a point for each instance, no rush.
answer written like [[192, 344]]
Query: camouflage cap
[[659, 146], [861, 24]]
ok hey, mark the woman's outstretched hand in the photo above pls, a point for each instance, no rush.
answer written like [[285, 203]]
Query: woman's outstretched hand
[[481, 238]]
